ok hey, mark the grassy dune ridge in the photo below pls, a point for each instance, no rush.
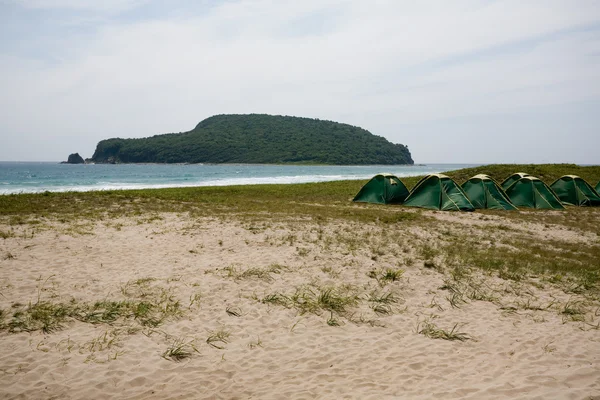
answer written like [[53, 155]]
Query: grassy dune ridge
[[546, 172]]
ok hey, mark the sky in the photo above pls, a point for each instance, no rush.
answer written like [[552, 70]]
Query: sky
[[464, 81]]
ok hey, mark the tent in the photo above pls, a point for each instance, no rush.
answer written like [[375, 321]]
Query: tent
[[484, 192], [512, 179], [382, 189], [573, 190], [598, 187], [438, 192], [531, 192]]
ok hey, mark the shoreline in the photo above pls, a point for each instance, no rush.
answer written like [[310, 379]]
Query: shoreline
[[549, 172], [135, 176]]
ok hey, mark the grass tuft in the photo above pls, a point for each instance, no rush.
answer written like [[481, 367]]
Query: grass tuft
[[276, 299], [383, 277], [45, 316], [432, 331], [148, 306], [265, 273], [383, 298], [233, 311], [316, 300], [179, 350], [218, 339]]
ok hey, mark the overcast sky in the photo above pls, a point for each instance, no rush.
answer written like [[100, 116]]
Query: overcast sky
[[473, 81]]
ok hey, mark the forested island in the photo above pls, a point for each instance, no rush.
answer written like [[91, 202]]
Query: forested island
[[260, 139]]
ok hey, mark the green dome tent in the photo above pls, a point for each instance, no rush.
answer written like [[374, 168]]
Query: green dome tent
[[382, 189], [573, 190], [438, 192], [512, 179], [531, 192], [598, 187], [484, 192]]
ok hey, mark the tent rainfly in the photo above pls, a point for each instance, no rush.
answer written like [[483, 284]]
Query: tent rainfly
[[531, 192], [598, 187], [512, 179], [438, 192], [574, 191], [484, 192], [382, 189]]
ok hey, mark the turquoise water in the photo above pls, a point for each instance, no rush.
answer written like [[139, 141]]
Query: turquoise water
[[32, 177]]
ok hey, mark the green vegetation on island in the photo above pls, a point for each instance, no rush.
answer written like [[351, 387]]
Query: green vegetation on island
[[258, 139]]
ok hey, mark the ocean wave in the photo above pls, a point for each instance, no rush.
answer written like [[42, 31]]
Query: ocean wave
[[103, 186], [54, 179]]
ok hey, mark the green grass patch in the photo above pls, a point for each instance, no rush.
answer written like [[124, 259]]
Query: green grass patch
[[431, 330], [573, 266], [316, 300], [386, 275], [218, 339], [179, 350], [147, 306], [262, 273]]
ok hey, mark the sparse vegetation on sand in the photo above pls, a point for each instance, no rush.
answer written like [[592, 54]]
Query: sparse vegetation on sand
[[180, 349], [218, 339], [431, 330], [148, 306]]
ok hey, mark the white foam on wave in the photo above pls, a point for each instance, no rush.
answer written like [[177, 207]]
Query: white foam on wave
[[225, 181], [215, 182]]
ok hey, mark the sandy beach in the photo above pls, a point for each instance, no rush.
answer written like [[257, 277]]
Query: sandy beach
[[263, 308]]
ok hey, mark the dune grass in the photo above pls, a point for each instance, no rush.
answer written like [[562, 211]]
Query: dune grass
[[262, 273], [385, 276], [431, 330], [145, 305], [180, 349], [334, 301], [218, 339]]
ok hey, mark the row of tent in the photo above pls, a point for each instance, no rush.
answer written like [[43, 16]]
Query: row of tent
[[440, 192]]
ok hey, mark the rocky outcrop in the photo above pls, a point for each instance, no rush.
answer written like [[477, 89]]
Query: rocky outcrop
[[74, 158]]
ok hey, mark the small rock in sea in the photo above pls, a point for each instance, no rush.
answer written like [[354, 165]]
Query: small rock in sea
[[74, 158]]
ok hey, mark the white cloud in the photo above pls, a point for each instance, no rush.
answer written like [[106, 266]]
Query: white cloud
[[81, 5], [381, 65]]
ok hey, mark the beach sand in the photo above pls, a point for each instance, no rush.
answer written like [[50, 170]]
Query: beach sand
[[249, 285]]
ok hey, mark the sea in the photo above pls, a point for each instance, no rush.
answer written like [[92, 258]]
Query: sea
[[35, 177]]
